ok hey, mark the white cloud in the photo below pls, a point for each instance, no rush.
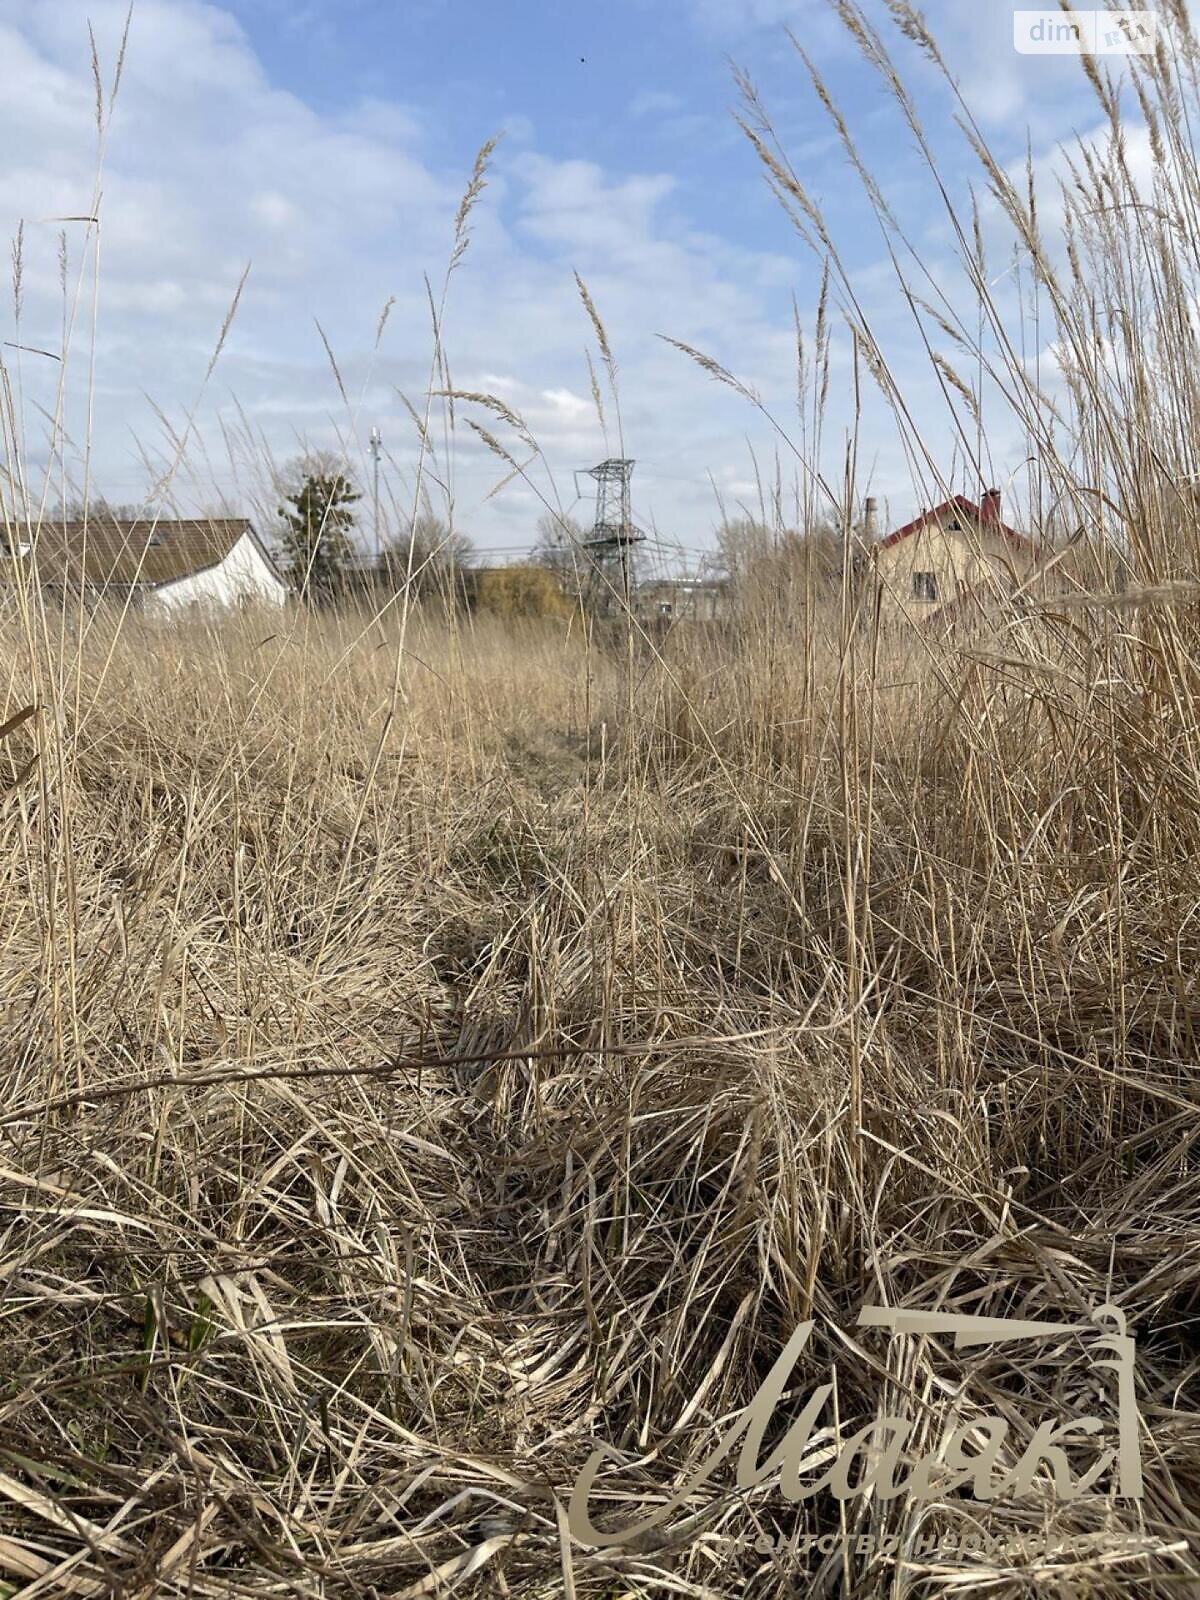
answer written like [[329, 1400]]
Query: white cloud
[[726, 16], [570, 405], [655, 102], [211, 166]]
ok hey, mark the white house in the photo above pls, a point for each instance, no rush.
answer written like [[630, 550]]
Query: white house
[[158, 566]]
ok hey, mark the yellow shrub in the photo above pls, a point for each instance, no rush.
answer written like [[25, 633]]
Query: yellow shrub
[[520, 591]]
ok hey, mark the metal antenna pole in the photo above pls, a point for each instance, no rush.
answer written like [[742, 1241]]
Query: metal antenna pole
[[376, 447]]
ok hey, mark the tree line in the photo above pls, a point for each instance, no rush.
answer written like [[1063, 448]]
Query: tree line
[[435, 562], [317, 514]]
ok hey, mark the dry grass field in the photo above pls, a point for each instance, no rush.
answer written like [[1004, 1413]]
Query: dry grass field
[[433, 1048]]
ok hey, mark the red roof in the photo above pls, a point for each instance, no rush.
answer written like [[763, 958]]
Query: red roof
[[958, 502]]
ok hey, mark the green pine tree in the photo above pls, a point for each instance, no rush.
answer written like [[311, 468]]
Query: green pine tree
[[316, 522]]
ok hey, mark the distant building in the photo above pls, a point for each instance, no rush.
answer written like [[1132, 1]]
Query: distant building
[[946, 558], [164, 566], [682, 600]]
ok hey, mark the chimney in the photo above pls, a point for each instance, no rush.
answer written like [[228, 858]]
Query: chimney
[[869, 520], [989, 506]]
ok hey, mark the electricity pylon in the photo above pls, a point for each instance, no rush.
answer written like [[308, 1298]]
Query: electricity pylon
[[613, 532]]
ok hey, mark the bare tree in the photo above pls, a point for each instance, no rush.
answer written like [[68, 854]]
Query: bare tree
[[432, 558], [744, 545], [778, 568], [99, 509], [558, 548]]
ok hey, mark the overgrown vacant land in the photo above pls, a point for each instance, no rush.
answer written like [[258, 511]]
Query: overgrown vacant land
[[396, 1107], [433, 1048]]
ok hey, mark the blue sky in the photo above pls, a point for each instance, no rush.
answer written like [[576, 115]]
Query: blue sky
[[326, 142]]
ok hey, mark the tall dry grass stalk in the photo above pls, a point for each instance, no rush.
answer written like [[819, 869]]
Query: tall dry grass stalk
[[431, 1049]]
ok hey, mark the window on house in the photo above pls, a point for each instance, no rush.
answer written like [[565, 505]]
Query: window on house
[[924, 585], [665, 608]]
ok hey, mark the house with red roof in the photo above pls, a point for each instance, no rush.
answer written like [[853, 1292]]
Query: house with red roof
[[950, 557]]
